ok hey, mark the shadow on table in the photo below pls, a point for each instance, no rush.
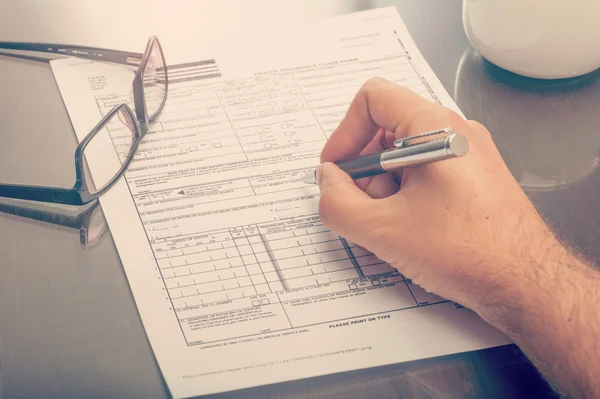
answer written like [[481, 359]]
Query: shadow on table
[[547, 131], [88, 219], [501, 372]]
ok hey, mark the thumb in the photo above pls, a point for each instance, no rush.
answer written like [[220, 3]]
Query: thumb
[[343, 207]]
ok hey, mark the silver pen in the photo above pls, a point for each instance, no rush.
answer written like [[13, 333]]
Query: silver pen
[[436, 145]]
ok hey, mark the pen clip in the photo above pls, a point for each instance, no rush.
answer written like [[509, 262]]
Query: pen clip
[[404, 142]]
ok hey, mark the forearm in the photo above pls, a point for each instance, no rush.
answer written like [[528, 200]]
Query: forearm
[[551, 311]]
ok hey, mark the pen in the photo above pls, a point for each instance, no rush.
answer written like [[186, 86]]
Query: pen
[[436, 145]]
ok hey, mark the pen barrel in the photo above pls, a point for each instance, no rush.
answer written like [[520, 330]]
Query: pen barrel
[[452, 146], [366, 165], [455, 145]]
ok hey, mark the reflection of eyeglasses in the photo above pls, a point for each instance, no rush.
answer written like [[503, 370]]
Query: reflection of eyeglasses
[[112, 143], [88, 219]]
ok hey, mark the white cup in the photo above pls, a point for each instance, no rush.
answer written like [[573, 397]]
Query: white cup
[[547, 39]]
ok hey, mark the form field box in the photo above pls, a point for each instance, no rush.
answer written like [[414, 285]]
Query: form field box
[[276, 286], [254, 269], [262, 288], [258, 279]]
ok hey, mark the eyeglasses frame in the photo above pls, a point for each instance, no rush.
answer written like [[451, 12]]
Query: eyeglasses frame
[[80, 194]]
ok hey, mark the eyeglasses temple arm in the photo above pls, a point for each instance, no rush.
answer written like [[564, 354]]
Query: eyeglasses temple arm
[[66, 196], [92, 53]]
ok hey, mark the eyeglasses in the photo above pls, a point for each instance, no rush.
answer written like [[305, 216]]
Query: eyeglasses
[[120, 130]]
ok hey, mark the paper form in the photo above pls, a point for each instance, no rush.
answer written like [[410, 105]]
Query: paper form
[[237, 282]]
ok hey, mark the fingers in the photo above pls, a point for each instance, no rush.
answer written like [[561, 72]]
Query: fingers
[[376, 145], [380, 186], [343, 207], [383, 104], [380, 112], [378, 103]]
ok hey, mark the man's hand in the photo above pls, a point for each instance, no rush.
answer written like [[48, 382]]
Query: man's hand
[[454, 225], [464, 229]]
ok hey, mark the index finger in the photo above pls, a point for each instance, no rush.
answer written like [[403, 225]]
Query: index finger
[[381, 103]]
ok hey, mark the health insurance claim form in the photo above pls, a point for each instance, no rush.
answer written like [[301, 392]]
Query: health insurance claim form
[[237, 282]]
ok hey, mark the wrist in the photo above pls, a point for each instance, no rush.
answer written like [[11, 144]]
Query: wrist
[[548, 280], [525, 274], [550, 313]]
